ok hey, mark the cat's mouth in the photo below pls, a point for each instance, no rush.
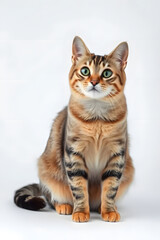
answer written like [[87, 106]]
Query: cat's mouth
[[93, 89]]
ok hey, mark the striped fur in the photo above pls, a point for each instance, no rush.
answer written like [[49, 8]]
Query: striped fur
[[28, 197], [86, 164]]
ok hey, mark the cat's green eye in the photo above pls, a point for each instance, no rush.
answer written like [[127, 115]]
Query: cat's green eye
[[85, 71], [107, 73]]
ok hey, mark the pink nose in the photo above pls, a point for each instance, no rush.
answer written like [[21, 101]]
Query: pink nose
[[94, 82]]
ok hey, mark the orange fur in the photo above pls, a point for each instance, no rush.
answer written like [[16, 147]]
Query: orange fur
[[86, 164], [111, 216], [80, 217], [93, 137], [64, 209]]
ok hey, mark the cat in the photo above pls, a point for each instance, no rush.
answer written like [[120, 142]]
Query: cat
[[86, 164]]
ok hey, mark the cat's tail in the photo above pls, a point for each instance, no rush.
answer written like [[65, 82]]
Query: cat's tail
[[28, 197]]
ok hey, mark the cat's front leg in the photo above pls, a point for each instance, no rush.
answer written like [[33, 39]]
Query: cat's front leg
[[111, 178], [78, 181]]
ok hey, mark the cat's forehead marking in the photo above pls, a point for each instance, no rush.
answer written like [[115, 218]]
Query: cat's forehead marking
[[98, 60]]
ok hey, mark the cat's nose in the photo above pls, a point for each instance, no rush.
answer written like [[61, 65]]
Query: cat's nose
[[94, 82]]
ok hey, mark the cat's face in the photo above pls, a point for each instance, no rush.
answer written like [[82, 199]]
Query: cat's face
[[97, 77]]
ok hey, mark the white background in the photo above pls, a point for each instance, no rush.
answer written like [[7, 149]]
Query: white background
[[35, 58]]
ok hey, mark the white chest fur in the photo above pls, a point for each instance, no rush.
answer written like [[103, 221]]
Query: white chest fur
[[96, 108]]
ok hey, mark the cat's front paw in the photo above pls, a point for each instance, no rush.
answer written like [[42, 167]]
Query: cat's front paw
[[111, 216], [80, 217]]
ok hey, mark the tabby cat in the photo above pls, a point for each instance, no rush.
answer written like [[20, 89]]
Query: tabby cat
[[86, 164]]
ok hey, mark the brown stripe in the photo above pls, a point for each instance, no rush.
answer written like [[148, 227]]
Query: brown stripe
[[93, 120], [120, 80], [93, 57], [102, 60], [74, 88], [80, 76], [111, 79], [104, 63], [97, 59], [73, 73], [115, 85]]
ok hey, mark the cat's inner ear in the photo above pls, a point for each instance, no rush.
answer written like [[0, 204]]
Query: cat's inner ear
[[120, 55], [79, 49]]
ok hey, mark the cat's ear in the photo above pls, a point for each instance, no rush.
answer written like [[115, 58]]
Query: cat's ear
[[120, 55], [79, 49]]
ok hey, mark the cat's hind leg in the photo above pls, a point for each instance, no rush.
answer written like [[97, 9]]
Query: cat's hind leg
[[58, 195], [128, 175], [64, 209]]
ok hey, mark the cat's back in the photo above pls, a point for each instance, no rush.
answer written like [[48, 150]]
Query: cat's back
[[56, 140]]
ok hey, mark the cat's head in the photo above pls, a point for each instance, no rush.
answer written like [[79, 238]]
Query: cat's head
[[94, 76]]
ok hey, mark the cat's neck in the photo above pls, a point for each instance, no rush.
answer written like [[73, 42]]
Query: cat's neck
[[95, 109]]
